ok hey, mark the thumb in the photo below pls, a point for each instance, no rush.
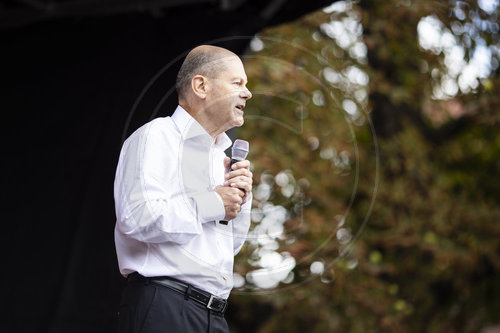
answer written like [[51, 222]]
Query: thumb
[[227, 161]]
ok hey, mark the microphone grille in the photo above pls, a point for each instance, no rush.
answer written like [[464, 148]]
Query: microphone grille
[[240, 149]]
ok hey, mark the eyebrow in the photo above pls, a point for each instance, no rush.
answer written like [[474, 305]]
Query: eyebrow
[[239, 78]]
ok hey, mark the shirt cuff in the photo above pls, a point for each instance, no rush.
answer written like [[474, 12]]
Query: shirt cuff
[[209, 206]]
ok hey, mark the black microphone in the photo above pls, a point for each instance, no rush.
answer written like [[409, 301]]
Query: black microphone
[[238, 153]]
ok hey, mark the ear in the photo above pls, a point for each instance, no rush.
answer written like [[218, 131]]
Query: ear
[[200, 86]]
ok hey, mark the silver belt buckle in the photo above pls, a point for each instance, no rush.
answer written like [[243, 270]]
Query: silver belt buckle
[[210, 301]]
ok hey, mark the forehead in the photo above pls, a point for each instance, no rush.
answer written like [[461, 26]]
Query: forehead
[[232, 67]]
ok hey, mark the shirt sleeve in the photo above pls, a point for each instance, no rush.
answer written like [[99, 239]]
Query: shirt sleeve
[[241, 224], [209, 206], [148, 206]]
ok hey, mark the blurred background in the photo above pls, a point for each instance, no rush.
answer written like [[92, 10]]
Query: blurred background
[[375, 143]]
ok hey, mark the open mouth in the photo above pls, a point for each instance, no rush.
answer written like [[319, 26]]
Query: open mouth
[[240, 107]]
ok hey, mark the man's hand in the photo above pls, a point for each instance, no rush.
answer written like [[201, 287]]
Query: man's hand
[[232, 198], [239, 177]]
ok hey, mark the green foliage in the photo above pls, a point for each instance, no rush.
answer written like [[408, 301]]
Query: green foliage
[[390, 191]]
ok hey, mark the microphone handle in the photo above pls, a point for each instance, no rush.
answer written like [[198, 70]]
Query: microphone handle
[[230, 165], [232, 162]]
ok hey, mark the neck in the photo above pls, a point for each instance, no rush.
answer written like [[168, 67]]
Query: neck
[[212, 129], [208, 125]]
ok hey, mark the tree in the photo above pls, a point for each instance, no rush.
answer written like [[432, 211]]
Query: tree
[[375, 201]]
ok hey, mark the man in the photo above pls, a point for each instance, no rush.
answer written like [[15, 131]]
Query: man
[[173, 187]]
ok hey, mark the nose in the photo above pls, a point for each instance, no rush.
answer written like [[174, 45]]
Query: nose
[[246, 94]]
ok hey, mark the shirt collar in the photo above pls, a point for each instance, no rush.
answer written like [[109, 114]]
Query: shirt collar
[[190, 128]]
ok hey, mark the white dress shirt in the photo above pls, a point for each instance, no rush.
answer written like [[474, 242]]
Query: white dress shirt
[[167, 210]]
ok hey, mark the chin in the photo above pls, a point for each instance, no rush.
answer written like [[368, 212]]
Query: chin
[[239, 122]]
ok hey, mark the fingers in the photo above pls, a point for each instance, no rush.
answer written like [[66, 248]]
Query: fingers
[[233, 202], [230, 195], [238, 185], [245, 164], [227, 162], [241, 177], [242, 182], [241, 168], [240, 172], [242, 185], [245, 189], [232, 199], [232, 212], [237, 196]]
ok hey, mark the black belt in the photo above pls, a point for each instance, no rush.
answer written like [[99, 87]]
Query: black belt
[[212, 302]]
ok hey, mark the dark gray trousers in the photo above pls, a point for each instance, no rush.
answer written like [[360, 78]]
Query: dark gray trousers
[[150, 308]]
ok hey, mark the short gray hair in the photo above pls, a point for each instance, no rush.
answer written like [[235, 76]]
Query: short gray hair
[[207, 62]]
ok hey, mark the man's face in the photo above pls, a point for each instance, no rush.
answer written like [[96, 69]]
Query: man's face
[[228, 94]]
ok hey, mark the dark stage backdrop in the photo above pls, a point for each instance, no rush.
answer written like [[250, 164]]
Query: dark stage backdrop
[[68, 86]]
